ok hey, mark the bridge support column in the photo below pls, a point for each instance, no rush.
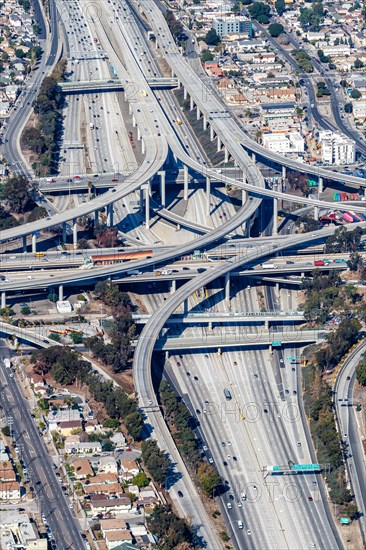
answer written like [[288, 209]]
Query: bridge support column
[[364, 191], [205, 122], [283, 173], [244, 196], [227, 287], [198, 113], [75, 233], [212, 133], [64, 234], [166, 355], [173, 286], [61, 293], [134, 121], [138, 134], [219, 144], [24, 243], [266, 324], [96, 216], [277, 287], [142, 147], [3, 300], [226, 154], [162, 187], [208, 195], [185, 188], [185, 306], [316, 213], [179, 84], [253, 156], [34, 243], [147, 206], [185, 94], [210, 326], [303, 274], [141, 199], [110, 215], [275, 216], [129, 109], [191, 104], [320, 185]]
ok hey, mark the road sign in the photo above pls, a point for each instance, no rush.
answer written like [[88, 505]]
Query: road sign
[[305, 467], [276, 343], [291, 358]]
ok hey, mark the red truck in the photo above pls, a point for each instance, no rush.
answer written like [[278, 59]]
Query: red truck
[[319, 262]]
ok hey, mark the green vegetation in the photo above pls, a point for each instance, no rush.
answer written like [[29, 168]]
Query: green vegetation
[[343, 240], [275, 29], [348, 108], [324, 58], [280, 7], [206, 56], [326, 294], [76, 337], [296, 180], [67, 367], [212, 38], [338, 343], [361, 371], [179, 420], [176, 27], [356, 94], [260, 12], [311, 18], [6, 219], [170, 531], [37, 213], [54, 336], [141, 480], [17, 194], [156, 461], [42, 139], [118, 352], [322, 89], [303, 60], [25, 310]]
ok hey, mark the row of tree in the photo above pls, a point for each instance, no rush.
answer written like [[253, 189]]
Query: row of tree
[[68, 367], [344, 241], [181, 422]]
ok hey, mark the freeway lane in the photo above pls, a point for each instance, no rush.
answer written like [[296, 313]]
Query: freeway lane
[[347, 420], [37, 460]]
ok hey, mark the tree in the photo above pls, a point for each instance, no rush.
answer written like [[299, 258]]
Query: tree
[[17, 194], [361, 371], [37, 213], [134, 424], [208, 478], [83, 244], [155, 460], [275, 29], [212, 38], [355, 261], [260, 11], [168, 529], [76, 337], [280, 7], [206, 56], [348, 108], [54, 336], [356, 94], [141, 480], [25, 310], [358, 64]]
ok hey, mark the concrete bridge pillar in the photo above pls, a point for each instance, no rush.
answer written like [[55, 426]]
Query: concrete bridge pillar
[[75, 233], [64, 233], [179, 84], [364, 191], [275, 216], [110, 215], [253, 156], [138, 134], [3, 300], [173, 286], [227, 287], [244, 196], [191, 103], [316, 213], [266, 324], [141, 190], [134, 123], [226, 159], [142, 146], [210, 326], [96, 216], [208, 195], [61, 293], [147, 205], [162, 187], [185, 94], [198, 113], [277, 287], [24, 243], [212, 133], [219, 144], [34, 243], [205, 123], [185, 306], [185, 188], [303, 274], [283, 173], [320, 185]]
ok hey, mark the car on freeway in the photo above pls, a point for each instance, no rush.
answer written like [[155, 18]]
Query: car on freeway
[[310, 499], [210, 460], [229, 505], [180, 494]]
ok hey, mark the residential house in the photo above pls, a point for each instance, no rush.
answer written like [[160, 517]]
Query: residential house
[[76, 447], [82, 468], [114, 538], [9, 490], [112, 525], [101, 505], [108, 465], [129, 469]]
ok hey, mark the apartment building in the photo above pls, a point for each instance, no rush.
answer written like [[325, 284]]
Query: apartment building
[[232, 25], [337, 148]]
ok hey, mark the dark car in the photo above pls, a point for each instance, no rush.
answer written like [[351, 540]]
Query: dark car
[[180, 494]]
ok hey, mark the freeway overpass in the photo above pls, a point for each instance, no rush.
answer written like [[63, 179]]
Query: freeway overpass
[[112, 85], [240, 339], [212, 317]]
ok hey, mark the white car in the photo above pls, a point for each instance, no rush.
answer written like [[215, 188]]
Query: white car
[[229, 505], [210, 460]]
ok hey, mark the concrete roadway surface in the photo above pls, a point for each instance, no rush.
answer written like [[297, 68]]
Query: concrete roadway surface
[[349, 433], [52, 502]]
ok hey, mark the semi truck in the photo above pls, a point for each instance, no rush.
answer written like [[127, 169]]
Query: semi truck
[[7, 363], [269, 266], [91, 126]]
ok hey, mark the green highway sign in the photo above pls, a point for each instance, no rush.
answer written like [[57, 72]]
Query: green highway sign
[[305, 467], [276, 343]]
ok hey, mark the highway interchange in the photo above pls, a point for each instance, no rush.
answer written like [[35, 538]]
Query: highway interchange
[[253, 376]]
